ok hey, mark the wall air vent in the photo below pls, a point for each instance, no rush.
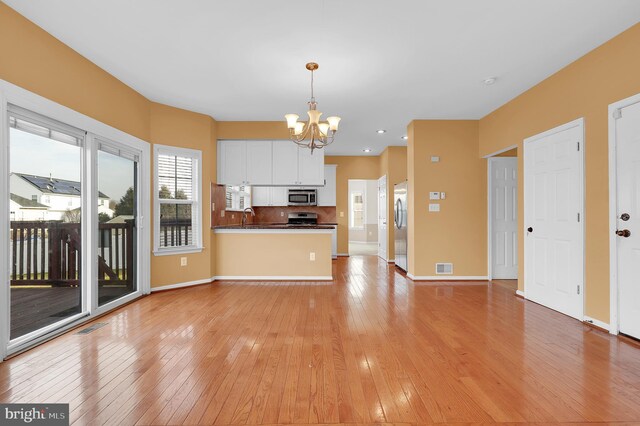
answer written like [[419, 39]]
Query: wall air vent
[[444, 268]]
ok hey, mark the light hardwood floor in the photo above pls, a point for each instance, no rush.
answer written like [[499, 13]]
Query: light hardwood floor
[[371, 347]]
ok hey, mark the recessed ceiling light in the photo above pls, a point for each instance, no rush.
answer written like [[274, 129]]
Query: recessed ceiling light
[[491, 80], [405, 137], [366, 150], [382, 131]]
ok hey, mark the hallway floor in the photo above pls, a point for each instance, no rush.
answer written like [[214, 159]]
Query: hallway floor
[[370, 347]]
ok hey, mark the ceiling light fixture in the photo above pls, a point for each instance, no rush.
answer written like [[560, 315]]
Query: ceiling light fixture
[[405, 137], [366, 150], [491, 80], [381, 131], [320, 133]]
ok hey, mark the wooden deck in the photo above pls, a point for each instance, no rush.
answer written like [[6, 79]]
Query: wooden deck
[[35, 307], [372, 347]]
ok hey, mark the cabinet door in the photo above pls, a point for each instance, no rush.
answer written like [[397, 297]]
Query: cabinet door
[[285, 163], [232, 162], [279, 196], [327, 193], [260, 196], [259, 165], [310, 167]]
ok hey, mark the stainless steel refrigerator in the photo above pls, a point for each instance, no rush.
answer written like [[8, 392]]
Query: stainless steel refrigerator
[[400, 223]]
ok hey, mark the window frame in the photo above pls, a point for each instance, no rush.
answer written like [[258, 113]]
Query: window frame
[[195, 202], [352, 210]]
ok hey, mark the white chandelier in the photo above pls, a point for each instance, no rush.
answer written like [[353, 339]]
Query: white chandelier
[[315, 134]]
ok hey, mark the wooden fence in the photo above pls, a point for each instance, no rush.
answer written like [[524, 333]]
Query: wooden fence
[[50, 253]]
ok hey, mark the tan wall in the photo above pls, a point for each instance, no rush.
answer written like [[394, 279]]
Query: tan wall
[[458, 233], [583, 89], [253, 130], [393, 164], [36, 61], [349, 167], [273, 254], [185, 129]]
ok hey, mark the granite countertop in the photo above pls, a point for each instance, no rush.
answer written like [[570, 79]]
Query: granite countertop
[[277, 226]]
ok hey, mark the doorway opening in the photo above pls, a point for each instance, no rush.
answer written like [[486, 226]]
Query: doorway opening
[[363, 217]]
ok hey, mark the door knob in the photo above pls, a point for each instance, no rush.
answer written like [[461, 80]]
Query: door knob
[[529, 229], [625, 216], [624, 233]]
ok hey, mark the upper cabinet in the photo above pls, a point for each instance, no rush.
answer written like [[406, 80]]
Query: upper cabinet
[[327, 193], [261, 163]]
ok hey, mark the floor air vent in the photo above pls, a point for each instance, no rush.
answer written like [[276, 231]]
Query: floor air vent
[[444, 268], [91, 328]]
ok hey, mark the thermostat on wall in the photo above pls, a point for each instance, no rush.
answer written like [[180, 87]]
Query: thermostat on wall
[[435, 159], [434, 195]]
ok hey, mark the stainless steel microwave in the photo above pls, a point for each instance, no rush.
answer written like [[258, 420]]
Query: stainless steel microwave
[[302, 197]]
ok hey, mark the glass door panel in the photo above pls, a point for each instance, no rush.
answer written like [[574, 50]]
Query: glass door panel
[[117, 233], [45, 223]]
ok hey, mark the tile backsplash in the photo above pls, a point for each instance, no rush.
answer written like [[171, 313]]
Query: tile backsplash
[[221, 217]]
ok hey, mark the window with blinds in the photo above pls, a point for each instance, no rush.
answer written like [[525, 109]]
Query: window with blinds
[[177, 186], [238, 198]]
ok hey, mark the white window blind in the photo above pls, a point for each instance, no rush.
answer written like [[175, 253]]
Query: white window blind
[[31, 122]]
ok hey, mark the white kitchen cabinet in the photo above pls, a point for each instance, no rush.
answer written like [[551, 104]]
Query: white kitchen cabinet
[[279, 196], [285, 163], [294, 165], [260, 196], [310, 167], [258, 163], [327, 193], [268, 196], [232, 164], [267, 163]]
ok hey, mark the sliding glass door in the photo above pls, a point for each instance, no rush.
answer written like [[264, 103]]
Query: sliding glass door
[[71, 203], [117, 212], [45, 202]]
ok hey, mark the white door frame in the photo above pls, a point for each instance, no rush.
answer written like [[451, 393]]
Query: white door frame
[[614, 111], [490, 162], [527, 142]]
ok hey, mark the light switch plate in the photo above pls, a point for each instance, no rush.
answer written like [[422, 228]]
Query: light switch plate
[[442, 195], [434, 195], [183, 261], [434, 207], [341, 214], [435, 159]]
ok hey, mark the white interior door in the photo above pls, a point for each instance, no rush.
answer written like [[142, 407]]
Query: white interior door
[[382, 218], [628, 219], [554, 241], [504, 218]]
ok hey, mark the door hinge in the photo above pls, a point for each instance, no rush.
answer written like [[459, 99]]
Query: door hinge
[[578, 146], [578, 217], [617, 114], [578, 288]]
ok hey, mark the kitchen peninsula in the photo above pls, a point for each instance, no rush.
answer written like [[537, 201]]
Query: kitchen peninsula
[[274, 252]]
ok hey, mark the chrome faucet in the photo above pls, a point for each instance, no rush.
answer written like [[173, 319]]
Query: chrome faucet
[[244, 215]]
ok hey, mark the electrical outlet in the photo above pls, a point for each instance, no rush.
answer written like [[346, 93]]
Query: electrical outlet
[[233, 216], [183, 261], [341, 214], [221, 213], [281, 214], [312, 256], [213, 207]]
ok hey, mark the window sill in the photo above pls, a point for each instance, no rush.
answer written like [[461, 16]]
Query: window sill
[[170, 252]]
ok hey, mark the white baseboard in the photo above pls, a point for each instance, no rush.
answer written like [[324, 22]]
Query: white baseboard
[[597, 323], [343, 254], [181, 285], [520, 293], [447, 277], [272, 278], [391, 261]]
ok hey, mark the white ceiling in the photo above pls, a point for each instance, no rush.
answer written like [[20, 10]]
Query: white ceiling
[[382, 63]]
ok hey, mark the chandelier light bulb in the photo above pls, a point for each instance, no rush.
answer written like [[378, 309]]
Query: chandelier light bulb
[[333, 123], [291, 120], [324, 128]]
